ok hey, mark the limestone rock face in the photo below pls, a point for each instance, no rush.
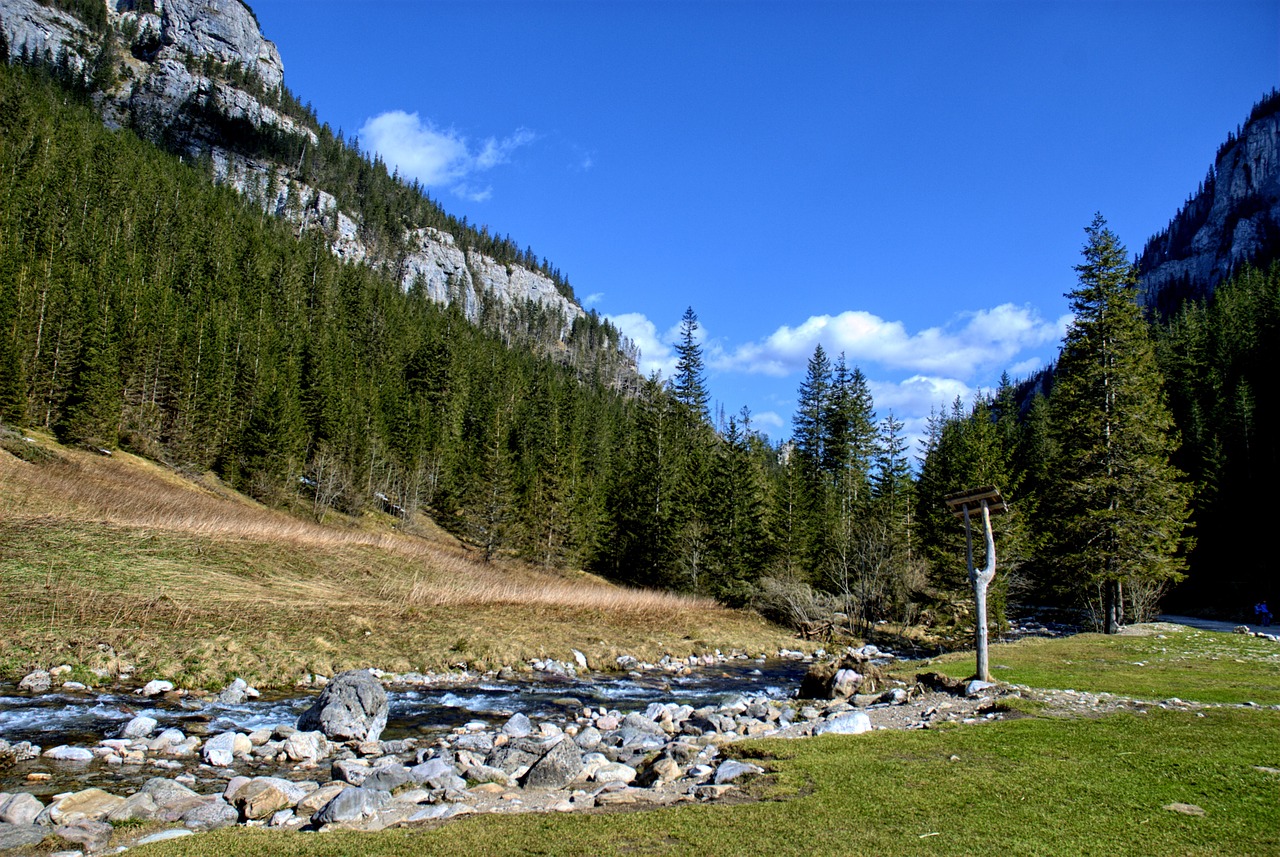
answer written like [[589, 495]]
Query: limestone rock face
[[179, 90], [1232, 220], [352, 707], [43, 29], [225, 30]]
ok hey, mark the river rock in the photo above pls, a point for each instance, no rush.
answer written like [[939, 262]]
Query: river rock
[[387, 777], [486, 774], [664, 769], [264, 796], [156, 687], [732, 769], [977, 686], [91, 803], [36, 682], [210, 814], [641, 723], [233, 694], [614, 772], [352, 804], [20, 809], [14, 836], [220, 750], [139, 727], [169, 795], [63, 753], [555, 770], [138, 806], [351, 771], [589, 738], [845, 683], [166, 739], [432, 768], [516, 757], [313, 802], [518, 726], [849, 723], [306, 746], [479, 742], [93, 836], [352, 707]]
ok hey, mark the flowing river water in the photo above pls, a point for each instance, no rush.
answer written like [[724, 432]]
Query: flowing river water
[[83, 718]]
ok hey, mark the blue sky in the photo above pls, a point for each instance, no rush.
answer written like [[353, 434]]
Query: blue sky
[[904, 182]]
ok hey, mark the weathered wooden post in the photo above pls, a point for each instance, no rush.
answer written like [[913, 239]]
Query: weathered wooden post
[[989, 500]]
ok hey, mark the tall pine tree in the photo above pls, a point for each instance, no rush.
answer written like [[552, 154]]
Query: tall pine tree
[[1121, 506]]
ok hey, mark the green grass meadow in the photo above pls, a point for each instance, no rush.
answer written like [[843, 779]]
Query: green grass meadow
[[1030, 786]]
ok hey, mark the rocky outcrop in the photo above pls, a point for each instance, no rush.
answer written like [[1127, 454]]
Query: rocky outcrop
[[224, 30], [43, 31], [201, 78], [1232, 220]]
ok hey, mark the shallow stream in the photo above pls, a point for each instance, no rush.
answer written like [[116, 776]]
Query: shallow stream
[[420, 711]]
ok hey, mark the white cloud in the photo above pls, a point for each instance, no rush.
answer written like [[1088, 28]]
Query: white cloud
[[913, 399], [973, 341], [437, 157], [657, 351], [1024, 368], [656, 355], [767, 420], [593, 299], [919, 394]]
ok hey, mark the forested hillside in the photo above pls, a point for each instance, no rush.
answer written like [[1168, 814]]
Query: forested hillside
[[143, 306]]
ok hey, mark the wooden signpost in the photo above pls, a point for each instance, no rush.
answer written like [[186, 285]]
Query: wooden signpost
[[987, 499]]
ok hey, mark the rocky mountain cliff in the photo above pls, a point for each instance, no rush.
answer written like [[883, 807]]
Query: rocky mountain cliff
[[195, 75], [1232, 220]]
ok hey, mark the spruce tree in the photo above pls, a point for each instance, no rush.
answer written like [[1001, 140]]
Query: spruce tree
[[91, 413], [689, 385], [13, 380], [1120, 508]]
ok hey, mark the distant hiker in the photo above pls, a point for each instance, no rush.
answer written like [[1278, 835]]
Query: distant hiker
[[1263, 612]]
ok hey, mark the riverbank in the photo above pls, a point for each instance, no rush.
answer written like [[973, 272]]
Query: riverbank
[[120, 567], [1064, 769]]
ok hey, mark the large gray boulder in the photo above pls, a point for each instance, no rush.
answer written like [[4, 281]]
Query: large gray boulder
[[14, 836], [851, 723], [352, 804], [20, 809], [560, 766], [352, 707]]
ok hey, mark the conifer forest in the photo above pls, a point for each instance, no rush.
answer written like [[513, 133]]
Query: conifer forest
[[145, 308]]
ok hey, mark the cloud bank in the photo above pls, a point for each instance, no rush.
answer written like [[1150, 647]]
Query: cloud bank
[[973, 342], [438, 157], [910, 374]]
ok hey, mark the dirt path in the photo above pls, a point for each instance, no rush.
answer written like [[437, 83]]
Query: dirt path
[[1203, 624]]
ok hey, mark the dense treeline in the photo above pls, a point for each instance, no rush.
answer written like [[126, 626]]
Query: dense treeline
[[145, 307], [142, 306], [1220, 358]]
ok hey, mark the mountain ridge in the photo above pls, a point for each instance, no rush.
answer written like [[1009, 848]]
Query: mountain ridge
[[1232, 220], [200, 78]]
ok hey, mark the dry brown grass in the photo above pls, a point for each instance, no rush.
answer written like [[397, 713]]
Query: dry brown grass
[[193, 581]]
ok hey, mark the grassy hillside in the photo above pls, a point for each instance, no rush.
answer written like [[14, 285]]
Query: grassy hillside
[[118, 563]]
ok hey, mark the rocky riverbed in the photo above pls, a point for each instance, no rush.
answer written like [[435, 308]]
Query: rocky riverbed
[[339, 763], [561, 739]]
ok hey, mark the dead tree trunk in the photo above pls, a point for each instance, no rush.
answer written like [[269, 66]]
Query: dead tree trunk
[[981, 580]]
